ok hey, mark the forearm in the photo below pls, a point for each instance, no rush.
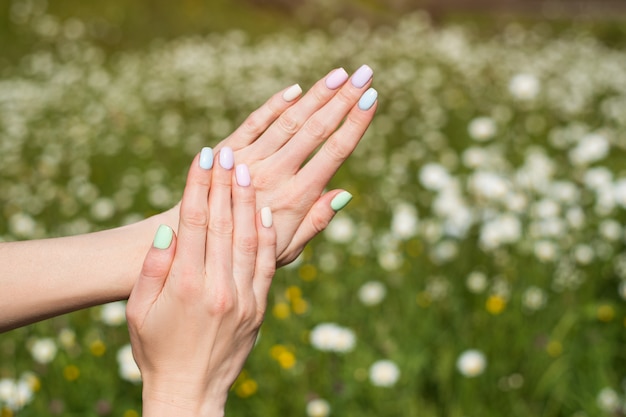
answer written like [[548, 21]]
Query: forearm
[[44, 278]]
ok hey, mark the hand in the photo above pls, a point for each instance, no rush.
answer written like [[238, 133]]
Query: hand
[[195, 311], [277, 139]]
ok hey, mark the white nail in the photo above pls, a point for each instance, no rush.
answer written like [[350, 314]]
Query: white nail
[[292, 92], [266, 217]]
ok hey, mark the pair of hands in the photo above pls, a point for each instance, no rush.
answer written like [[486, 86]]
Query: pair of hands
[[195, 311]]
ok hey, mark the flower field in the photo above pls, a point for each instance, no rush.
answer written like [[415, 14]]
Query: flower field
[[479, 271]]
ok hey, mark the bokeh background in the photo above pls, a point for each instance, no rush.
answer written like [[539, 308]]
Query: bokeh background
[[480, 269]]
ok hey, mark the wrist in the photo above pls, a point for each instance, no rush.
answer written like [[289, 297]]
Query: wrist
[[174, 400]]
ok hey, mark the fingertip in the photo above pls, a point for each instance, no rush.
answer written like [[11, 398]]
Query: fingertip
[[292, 93], [340, 200], [266, 217], [163, 237]]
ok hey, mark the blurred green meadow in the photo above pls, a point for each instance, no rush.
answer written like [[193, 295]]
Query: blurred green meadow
[[479, 271]]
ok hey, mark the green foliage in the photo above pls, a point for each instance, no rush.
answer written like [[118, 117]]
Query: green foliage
[[489, 204]]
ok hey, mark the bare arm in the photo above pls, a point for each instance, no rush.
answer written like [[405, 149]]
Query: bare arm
[[41, 279], [45, 278]]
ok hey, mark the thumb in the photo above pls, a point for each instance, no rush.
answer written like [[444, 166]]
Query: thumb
[[315, 221], [154, 271]]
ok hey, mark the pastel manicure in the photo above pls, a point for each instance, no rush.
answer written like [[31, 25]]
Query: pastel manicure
[[227, 158], [340, 200], [163, 237], [336, 78], [266, 217], [206, 158], [362, 76], [243, 175], [368, 99], [292, 93]]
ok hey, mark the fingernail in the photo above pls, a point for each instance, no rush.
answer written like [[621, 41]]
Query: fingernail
[[163, 237], [368, 99], [243, 175], [206, 158], [336, 78], [340, 200], [292, 93], [362, 76], [227, 159], [266, 217]]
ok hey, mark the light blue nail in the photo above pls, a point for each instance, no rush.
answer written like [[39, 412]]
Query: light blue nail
[[368, 99], [206, 158]]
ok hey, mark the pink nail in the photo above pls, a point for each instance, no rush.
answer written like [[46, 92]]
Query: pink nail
[[362, 76], [336, 78], [243, 175]]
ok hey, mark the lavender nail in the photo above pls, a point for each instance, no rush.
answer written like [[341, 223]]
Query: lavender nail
[[362, 76], [227, 158], [243, 175], [336, 78]]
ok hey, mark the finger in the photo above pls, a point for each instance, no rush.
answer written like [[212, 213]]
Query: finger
[[266, 258], [154, 272], [315, 221], [290, 122], [220, 230], [194, 213], [325, 121], [321, 168], [245, 242], [260, 119]]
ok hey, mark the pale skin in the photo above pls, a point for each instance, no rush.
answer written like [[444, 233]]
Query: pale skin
[[196, 308], [45, 278]]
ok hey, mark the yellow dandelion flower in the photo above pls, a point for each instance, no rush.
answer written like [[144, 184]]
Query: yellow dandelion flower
[[283, 355], [97, 347], [293, 293], [299, 306], [495, 304], [307, 272], [606, 313], [281, 311], [287, 360], [71, 372], [423, 299], [554, 348], [246, 388], [276, 350], [6, 412], [131, 413]]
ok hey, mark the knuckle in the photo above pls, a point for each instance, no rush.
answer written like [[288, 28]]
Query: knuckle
[[221, 225], [315, 129], [319, 222], [345, 98], [193, 216], [288, 124], [248, 244], [253, 123], [320, 95], [336, 151], [221, 303]]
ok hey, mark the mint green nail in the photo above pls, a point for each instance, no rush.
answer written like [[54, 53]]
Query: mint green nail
[[341, 200], [163, 237]]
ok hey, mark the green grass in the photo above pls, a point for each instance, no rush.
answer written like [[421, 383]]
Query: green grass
[[84, 122]]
